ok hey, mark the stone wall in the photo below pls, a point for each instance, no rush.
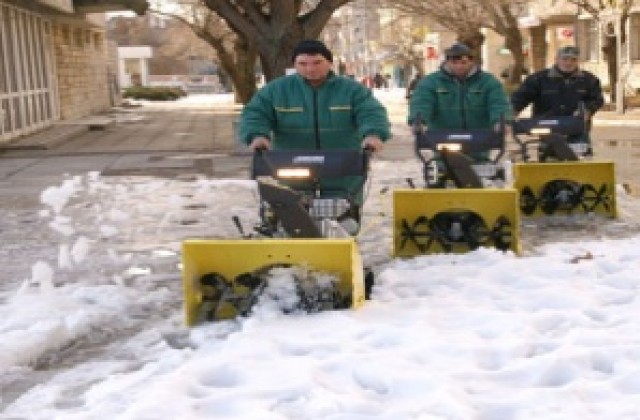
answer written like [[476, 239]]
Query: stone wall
[[81, 60]]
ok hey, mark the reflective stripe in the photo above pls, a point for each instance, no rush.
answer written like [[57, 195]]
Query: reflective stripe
[[294, 109]]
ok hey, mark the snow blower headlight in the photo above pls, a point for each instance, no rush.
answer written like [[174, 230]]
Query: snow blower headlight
[[297, 173], [538, 131], [453, 147]]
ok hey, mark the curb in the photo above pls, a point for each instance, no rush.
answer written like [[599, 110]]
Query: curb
[[58, 133], [47, 138]]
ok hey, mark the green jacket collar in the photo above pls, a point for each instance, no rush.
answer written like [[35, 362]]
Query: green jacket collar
[[475, 70]]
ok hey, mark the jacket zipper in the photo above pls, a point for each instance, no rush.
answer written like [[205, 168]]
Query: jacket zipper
[[462, 109], [316, 127]]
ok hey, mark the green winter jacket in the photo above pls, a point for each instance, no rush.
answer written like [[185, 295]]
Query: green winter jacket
[[444, 102], [336, 115]]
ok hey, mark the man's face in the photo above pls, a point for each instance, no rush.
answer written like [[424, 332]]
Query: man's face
[[460, 66], [314, 68], [567, 64]]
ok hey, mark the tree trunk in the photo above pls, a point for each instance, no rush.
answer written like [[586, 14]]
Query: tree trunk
[[474, 40], [276, 53], [274, 30], [513, 42], [538, 48], [609, 51], [240, 65]]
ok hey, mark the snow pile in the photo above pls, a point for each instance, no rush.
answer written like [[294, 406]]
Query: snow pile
[[96, 332]]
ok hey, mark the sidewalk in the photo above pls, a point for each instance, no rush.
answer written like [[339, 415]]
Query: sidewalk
[[182, 126], [611, 118], [191, 135], [157, 139], [151, 127]]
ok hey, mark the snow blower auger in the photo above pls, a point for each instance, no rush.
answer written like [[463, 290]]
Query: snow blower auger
[[464, 204], [563, 179], [308, 219]]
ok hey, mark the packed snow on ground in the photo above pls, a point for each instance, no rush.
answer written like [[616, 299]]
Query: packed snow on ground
[[95, 331]]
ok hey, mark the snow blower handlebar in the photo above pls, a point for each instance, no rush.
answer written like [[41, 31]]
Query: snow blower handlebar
[[552, 131], [313, 166], [567, 126], [458, 150], [465, 141]]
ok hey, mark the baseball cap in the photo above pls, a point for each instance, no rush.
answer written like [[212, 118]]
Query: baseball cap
[[569, 51], [458, 50]]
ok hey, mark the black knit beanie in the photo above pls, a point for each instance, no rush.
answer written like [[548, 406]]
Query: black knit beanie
[[312, 47]]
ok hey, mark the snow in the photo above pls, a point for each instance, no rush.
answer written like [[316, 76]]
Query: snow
[[95, 329]]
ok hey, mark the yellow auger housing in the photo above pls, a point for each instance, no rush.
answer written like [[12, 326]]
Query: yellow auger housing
[[229, 259], [427, 221], [566, 187]]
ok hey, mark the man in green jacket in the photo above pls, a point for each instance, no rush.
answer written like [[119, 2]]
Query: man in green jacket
[[459, 95], [314, 109]]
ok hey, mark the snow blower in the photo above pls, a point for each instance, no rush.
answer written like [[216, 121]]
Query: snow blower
[[563, 178], [309, 214], [465, 203]]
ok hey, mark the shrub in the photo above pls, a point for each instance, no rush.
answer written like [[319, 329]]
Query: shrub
[[154, 93]]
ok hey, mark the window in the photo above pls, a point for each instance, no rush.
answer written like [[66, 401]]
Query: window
[[634, 36], [589, 40], [592, 49]]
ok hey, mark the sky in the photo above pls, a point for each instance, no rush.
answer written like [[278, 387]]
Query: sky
[[94, 329]]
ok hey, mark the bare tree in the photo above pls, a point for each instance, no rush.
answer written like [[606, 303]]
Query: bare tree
[[598, 9], [274, 27], [236, 55], [405, 44], [464, 17], [503, 19], [467, 17]]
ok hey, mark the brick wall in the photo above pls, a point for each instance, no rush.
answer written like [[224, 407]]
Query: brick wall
[[81, 59]]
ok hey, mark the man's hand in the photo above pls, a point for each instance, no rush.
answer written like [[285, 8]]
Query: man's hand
[[372, 142], [260, 143], [586, 114], [508, 131]]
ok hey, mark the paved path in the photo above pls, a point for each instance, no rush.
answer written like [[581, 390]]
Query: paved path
[[196, 136]]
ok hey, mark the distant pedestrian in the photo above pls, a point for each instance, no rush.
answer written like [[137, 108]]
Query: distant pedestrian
[[378, 81], [387, 81]]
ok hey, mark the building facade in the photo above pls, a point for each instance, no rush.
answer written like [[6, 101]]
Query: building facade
[[55, 63]]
